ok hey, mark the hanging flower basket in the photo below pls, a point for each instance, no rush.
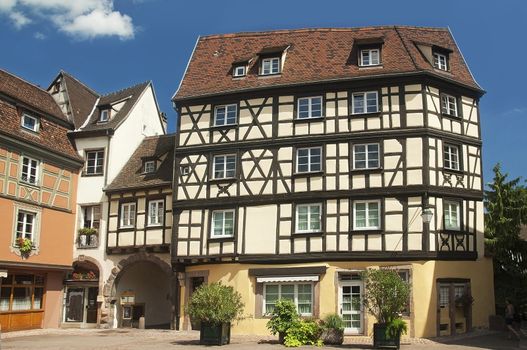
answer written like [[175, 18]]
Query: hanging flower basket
[[24, 246]]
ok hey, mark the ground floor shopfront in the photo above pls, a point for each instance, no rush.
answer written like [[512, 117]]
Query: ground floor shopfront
[[319, 289]]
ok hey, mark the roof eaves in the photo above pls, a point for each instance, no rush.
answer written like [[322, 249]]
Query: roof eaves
[[133, 106]]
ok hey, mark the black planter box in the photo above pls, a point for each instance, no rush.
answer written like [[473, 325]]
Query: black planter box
[[215, 334], [381, 340]]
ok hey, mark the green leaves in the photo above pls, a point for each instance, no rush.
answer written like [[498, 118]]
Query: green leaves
[[215, 303], [283, 316]]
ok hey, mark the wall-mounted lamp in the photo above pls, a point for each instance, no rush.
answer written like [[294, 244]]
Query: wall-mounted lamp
[[427, 215]]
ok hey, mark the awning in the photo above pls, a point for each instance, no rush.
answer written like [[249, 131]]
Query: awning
[[287, 279]]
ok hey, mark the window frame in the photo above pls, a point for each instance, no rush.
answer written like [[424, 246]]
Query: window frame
[[10, 283], [35, 119], [367, 217], [84, 209], [149, 162], [437, 58], [447, 111], [320, 206], [212, 235], [365, 108], [105, 111], [96, 151], [310, 111], [33, 224], [235, 71], [367, 167], [225, 123], [296, 284], [458, 155], [309, 164], [459, 223], [270, 59], [369, 51], [225, 177], [130, 224], [30, 166], [160, 218]]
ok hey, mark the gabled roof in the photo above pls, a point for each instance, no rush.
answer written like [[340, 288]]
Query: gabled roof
[[159, 148], [315, 55], [81, 98], [30, 95]]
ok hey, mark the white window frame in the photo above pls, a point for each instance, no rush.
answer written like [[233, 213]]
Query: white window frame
[[367, 216], [105, 115], [296, 284], [449, 151], [310, 107], [367, 160], [156, 212], [440, 61], [86, 167], [365, 105], [34, 119], [447, 207], [33, 164], [369, 52], [128, 220], [150, 166], [224, 156], [450, 101], [309, 164], [236, 71], [270, 61], [212, 222], [225, 119], [24, 234], [309, 206], [90, 209]]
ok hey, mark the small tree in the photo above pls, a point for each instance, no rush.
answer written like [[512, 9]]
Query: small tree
[[284, 315], [215, 304]]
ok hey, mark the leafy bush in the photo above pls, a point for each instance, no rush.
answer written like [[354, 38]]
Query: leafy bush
[[333, 321], [396, 327], [215, 303], [24, 245], [283, 316], [303, 332], [87, 231]]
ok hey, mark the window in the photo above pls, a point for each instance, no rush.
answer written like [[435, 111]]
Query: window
[[94, 162], [29, 170], [366, 156], [440, 61], [451, 213], [22, 292], [270, 66], [309, 159], [405, 276], [156, 212], [222, 223], [105, 115], [365, 102], [184, 170], [225, 115], [224, 167], [299, 293], [128, 215], [308, 218], [309, 107], [370, 57], [150, 166], [91, 216], [444, 296], [451, 154], [366, 215], [449, 105], [25, 224], [239, 71], [30, 123]]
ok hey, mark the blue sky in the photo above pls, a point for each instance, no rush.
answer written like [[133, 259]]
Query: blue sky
[[112, 44]]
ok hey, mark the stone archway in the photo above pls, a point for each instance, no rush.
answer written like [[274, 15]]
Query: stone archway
[[131, 263]]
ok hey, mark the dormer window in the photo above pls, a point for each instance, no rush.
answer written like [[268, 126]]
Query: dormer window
[[149, 166], [440, 61], [30, 122], [370, 57], [270, 66], [105, 115], [239, 71]]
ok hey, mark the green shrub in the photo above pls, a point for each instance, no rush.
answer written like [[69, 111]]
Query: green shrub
[[24, 245], [283, 316], [333, 321], [87, 231], [396, 327], [215, 303], [303, 332]]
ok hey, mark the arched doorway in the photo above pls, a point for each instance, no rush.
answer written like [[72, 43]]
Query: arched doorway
[[142, 287]]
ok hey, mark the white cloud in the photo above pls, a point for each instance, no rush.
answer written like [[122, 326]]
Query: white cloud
[[39, 36], [83, 19], [514, 111]]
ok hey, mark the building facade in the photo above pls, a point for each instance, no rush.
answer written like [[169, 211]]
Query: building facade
[[304, 157], [38, 186]]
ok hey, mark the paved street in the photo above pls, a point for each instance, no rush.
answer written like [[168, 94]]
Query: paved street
[[165, 339]]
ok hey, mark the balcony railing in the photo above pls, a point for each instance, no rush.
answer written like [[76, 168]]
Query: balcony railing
[[87, 241]]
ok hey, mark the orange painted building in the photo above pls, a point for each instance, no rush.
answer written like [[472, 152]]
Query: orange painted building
[[38, 181]]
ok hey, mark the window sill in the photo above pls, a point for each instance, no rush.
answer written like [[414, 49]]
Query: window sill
[[451, 116], [92, 175], [221, 239], [25, 183], [309, 174], [371, 66], [453, 232], [30, 131], [367, 170], [95, 246], [227, 179], [453, 171], [307, 120], [369, 114], [223, 127], [153, 226], [273, 75], [126, 228], [366, 231], [307, 234]]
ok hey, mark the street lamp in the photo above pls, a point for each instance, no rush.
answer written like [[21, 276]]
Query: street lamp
[[427, 215]]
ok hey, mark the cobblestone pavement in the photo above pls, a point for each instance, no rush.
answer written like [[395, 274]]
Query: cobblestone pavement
[[131, 339]]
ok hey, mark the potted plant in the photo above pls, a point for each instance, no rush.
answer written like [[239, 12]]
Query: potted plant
[[24, 246], [385, 295], [284, 315], [87, 236], [333, 330], [215, 306]]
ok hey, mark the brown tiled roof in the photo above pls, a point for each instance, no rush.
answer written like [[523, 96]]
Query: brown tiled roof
[[153, 147], [131, 94], [29, 94], [82, 99], [315, 55]]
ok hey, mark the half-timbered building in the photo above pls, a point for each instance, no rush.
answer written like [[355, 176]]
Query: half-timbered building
[[304, 157]]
